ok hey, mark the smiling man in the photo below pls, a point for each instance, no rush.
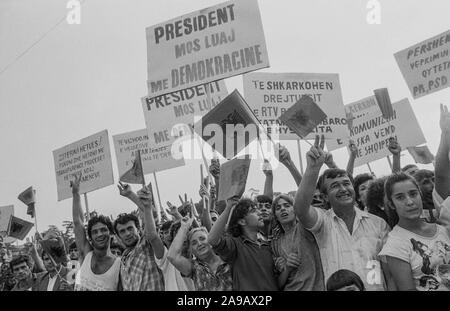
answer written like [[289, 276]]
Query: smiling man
[[99, 269], [348, 238]]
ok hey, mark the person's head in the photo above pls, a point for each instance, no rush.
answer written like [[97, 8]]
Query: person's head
[[127, 228], [283, 210], [404, 198], [198, 243], [21, 267], [345, 280], [336, 187], [73, 251], [264, 205], [100, 230], [410, 169], [116, 248], [375, 199], [425, 179], [214, 216], [245, 216], [48, 263], [164, 233], [318, 201], [361, 185]]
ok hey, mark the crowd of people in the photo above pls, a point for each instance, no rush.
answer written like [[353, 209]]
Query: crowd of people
[[336, 232]]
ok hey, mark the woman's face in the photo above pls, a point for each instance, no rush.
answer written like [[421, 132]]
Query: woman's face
[[284, 212], [199, 244], [407, 200]]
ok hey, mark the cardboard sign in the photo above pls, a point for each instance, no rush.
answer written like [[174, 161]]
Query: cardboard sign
[[204, 46], [154, 159], [421, 154], [230, 126], [233, 177], [271, 94], [18, 228], [426, 65], [92, 157], [168, 116], [5, 214], [303, 117], [371, 133]]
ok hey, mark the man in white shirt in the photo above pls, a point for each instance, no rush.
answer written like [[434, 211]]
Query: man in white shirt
[[348, 238]]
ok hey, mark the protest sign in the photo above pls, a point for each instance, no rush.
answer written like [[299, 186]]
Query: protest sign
[[135, 175], [271, 94], [154, 158], [204, 46], [421, 154], [89, 156], [233, 177], [230, 126], [5, 214], [18, 228], [426, 65], [371, 133], [166, 116], [28, 196], [303, 117]]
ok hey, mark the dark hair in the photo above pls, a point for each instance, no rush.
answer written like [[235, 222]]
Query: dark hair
[[19, 259], [342, 278], [276, 226], [123, 219], [375, 198], [262, 198], [359, 180], [114, 244], [419, 175], [331, 173], [388, 185], [240, 211], [166, 225], [102, 219], [407, 167], [72, 245]]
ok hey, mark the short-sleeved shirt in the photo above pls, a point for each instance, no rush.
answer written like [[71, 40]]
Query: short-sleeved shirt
[[251, 263], [173, 281], [429, 258], [309, 275], [139, 271], [206, 280], [442, 208], [356, 251]]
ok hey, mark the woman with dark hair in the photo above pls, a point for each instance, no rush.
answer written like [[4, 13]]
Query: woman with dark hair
[[361, 185], [375, 200], [295, 252], [415, 249], [345, 280]]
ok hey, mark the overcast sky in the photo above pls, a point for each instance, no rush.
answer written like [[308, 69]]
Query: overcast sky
[[81, 79]]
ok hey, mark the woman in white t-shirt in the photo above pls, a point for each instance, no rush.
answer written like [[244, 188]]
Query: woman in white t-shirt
[[417, 253]]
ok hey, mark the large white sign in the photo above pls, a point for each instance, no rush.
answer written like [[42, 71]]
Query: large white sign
[[371, 133], [204, 46], [269, 95], [90, 156], [426, 65], [154, 159]]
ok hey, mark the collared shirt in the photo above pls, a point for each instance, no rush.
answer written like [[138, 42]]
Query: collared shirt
[[251, 262], [356, 251], [309, 275], [206, 280], [139, 271]]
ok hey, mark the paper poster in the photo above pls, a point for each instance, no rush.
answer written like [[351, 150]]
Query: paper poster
[[233, 177], [5, 214]]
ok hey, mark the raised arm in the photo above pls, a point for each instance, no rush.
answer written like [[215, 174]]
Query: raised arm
[[39, 265], [352, 157], [396, 150], [214, 169], [268, 184], [329, 160], [285, 158], [144, 203], [315, 158], [206, 217], [219, 226], [174, 255], [83, 245], [442, 163]]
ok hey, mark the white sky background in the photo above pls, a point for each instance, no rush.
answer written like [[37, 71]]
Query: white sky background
[[84, 78]]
